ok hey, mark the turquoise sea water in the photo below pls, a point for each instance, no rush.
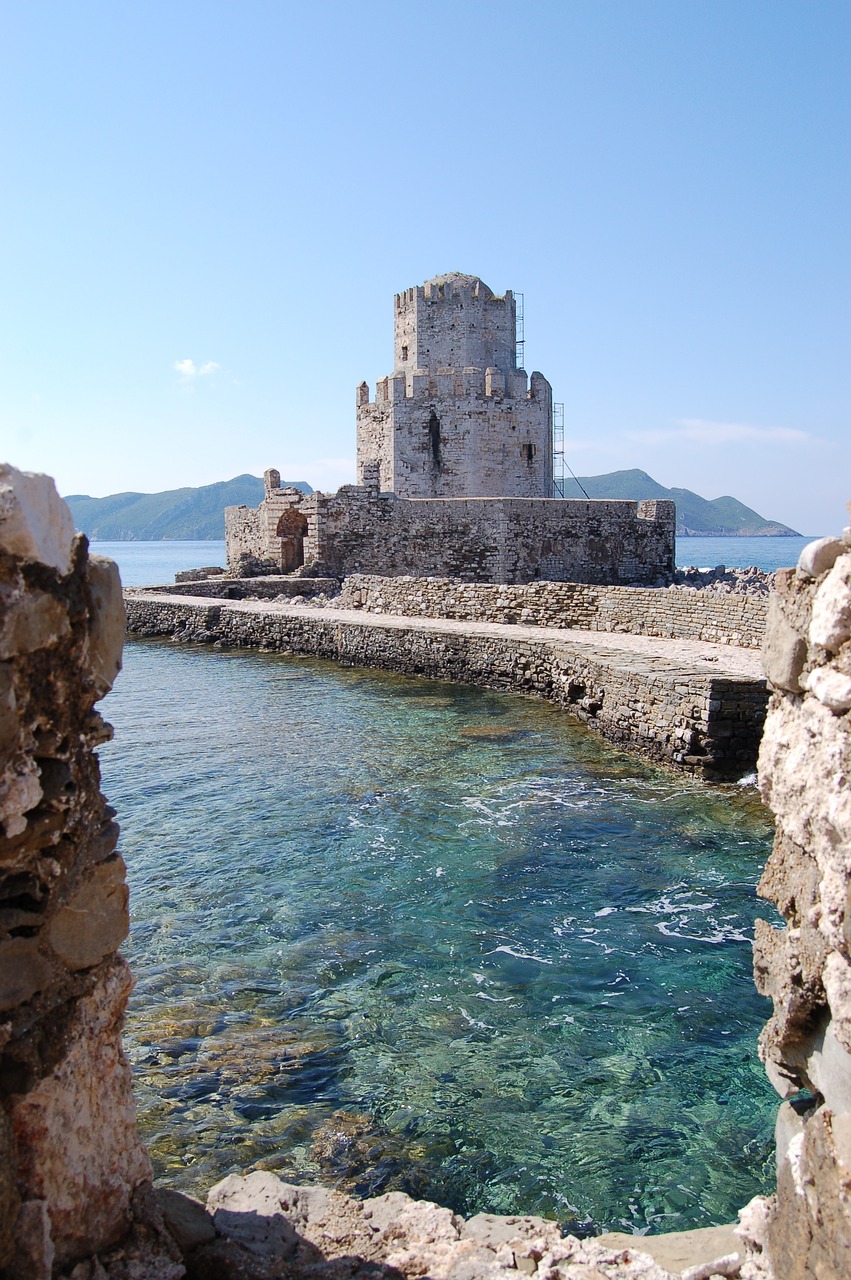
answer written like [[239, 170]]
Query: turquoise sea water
[[391, 933]]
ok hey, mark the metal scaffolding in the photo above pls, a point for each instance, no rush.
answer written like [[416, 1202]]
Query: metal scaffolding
[[558, 450], [519, 331]]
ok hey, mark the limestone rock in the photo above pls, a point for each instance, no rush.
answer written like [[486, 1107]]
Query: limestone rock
[[34, 1251], [106, 632], [186, 1219], [831, 621], [832, 688], [248, 1211], [23, 971], [37, 621], [10, 1201], [87, 1184], [784, 652], [35, 523], [8, 710], [95, 921], [819, 556]]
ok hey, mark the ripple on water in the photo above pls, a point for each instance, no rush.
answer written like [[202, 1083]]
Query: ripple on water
[[402, 934]]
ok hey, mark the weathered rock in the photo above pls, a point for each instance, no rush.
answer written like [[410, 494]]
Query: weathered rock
[[819, 556], [95, 920], [249, 1212], [106, 634], [831, 620], [35, 523], [784, 652], [10, 1200], [832, 688], [23, 971], [186, 1219], [76, 1130], [35, 621], [34, 1252], [805, 769], [8, 709]]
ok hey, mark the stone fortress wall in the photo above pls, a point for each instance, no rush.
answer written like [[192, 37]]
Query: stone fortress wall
[[689, 713], [455, 470], [360, 530]]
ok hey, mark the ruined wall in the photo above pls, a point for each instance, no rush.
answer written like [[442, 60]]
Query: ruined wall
[[359, 530], [734, 619], [805, 772], [72, 1171], [496, 539]]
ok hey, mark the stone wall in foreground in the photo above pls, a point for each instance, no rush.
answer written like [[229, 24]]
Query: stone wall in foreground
[[805, 777], [672, 613], [73, 1174]]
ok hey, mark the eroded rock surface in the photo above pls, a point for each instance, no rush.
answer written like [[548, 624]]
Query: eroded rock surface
[[805, 771], [72, 1163]]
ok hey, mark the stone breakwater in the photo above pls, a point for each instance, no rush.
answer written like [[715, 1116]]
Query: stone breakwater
[[696, 607], [692, 705]]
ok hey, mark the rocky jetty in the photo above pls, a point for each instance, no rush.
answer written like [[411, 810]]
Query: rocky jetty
[[723, 581]]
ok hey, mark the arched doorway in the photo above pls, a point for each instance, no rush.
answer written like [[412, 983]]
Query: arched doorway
[[292, 530]]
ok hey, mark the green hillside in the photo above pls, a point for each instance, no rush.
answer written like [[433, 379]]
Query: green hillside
[[720, 517], [196, 515]]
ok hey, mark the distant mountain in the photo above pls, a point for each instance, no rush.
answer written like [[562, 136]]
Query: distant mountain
[[721, 517], [195, 515]]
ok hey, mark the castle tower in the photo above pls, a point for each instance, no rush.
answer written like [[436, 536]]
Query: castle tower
[[456, 418]]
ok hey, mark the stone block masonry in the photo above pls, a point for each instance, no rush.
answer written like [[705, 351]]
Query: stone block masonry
[[359, 530], [731, 619], [693, 706]]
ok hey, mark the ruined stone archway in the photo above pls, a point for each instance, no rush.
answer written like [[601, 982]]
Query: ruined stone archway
[[292, 530]]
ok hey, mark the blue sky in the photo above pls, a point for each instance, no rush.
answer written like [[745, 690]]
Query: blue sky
[[208, 209]]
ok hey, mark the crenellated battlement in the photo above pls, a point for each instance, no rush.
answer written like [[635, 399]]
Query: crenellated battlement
[[452, 287], [456, 384]]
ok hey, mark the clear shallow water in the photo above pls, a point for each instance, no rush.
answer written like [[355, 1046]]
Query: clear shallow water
[[403, 934]]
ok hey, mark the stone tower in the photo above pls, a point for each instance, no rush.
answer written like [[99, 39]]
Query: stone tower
[[456, 418]]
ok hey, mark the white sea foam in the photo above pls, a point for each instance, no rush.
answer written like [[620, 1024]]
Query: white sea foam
[[520, 955]]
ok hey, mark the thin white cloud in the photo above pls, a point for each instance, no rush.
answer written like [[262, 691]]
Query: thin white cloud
[[705, 432], [188, 368]]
